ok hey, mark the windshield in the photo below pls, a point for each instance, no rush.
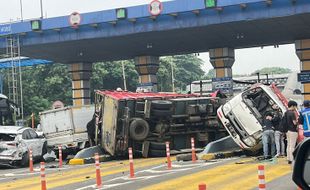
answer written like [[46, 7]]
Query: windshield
[[260, 102], [6, 112], [7, 137]]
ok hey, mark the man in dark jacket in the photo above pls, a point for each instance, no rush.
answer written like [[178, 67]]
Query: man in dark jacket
[[268, 136], [292, 133], [278, 132]]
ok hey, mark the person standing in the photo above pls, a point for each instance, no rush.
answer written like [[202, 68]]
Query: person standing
[[278, 134], [304, 118], [268, 136], [292, 126]]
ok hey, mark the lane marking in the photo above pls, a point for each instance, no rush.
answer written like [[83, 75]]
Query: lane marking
[[153, 170], [78, 175], [223, 175]]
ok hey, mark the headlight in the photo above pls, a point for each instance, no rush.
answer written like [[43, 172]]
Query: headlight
[[226, 108], [249, 141]]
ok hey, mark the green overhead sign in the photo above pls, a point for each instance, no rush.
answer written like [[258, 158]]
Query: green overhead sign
[[121, 13], [210, 3], [36, 25]]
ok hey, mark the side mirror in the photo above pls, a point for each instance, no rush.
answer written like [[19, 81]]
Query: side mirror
[[301, 172]]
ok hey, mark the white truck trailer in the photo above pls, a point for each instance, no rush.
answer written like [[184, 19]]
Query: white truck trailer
[[66, 127]]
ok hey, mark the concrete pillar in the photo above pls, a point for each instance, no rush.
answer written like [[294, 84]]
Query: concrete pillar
[[147, 67], [80, 74], [222, 60], [303, 53]]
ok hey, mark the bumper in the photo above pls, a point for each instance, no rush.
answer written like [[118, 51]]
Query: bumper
[[232, 131]]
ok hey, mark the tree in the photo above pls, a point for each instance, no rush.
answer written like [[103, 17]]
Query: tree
[[187, 68], [272, 70], [109, 75]]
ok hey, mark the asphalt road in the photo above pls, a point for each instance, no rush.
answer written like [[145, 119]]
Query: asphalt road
[[152, 174]]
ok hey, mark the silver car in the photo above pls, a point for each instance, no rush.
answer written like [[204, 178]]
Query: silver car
[[15, 143]]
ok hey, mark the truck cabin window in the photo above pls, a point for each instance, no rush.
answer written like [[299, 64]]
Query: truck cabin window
[[6, 112], [260, 101]]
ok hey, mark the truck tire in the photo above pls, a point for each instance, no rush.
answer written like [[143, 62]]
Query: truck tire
[[139, 129], [157, 153], [44, 151], [25, 160], [64, 155], [157, 146], [161, 104], [161, 113]]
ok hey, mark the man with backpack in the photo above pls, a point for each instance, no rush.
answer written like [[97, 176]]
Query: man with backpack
[[304, 118]]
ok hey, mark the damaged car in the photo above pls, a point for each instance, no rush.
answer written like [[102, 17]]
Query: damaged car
[[243, 115], [15, 143]]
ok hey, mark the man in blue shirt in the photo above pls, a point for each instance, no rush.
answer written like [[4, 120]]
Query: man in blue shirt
[[304, 118]]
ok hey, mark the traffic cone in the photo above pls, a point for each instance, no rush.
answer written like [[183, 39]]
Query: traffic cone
[[43, 180], [30, 161], [98, 174], [168, 156], [261, 177], [202, 186], [131, 168], [60, 155], [193, 150]]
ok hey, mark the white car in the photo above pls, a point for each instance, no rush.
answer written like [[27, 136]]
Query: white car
[[243, 115], [15, 143]]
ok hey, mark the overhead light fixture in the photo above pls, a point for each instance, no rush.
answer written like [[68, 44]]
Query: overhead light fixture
[[121, 13]]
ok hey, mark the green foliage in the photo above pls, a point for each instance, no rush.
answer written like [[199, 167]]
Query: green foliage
[[187, 68], [44, 84], [210, 74], [272, 70], [108, 75]]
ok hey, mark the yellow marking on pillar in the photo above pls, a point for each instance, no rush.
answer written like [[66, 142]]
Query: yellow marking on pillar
[[77, 102], [305, 54], [305, 65], [307, 96], [76, 75], [305, 44], [77, 93], [307, 87], [219, 52], [219, 63], [220, 72], [145, 78], [77, 84], [143, 69], [75, 67]]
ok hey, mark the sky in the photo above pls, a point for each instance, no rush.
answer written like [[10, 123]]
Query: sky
[[247, 60]]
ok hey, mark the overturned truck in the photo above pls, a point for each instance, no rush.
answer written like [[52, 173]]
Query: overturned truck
[[145, 121], [243, 115]]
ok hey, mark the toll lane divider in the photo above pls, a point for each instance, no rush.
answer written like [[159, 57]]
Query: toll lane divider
[[81, 161]]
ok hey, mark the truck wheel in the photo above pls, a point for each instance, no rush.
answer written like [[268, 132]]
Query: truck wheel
[[161, 104], [161, 113], [64, 155], [25, 160], [157, 145], [157, 153], [139, 129], [44, 151]]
